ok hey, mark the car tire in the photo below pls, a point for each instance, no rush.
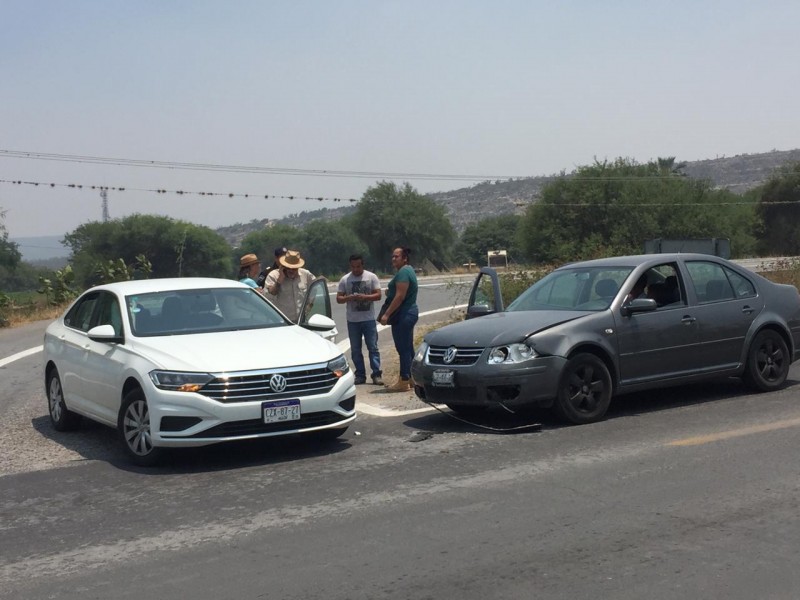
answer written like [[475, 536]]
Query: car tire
[[61, 417], [134, 430], [584, 391], [767, 361]]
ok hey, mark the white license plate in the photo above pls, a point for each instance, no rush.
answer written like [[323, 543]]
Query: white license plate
[[280, 410], [443, 378]]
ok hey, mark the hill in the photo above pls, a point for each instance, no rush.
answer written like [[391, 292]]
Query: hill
[[468, 205]]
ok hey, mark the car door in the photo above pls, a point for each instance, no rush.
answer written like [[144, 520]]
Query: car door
[[485, 297], [660, 343], [317, 301], [727, 304], [104, 363], [72, 355]]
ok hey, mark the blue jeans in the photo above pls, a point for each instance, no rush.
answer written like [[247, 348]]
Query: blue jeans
[[369, 330], [403, 336]]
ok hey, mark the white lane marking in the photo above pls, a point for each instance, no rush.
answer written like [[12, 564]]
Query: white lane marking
[[18, 355], [377, 411]]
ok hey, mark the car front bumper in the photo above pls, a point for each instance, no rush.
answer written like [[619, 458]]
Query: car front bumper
[[533, 383], [180, 419]]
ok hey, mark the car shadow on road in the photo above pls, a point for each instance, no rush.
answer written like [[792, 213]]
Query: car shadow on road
[[497, 421], [92, 441]]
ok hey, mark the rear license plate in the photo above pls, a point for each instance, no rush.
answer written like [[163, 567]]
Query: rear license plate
[[280, 410], [443, 378]]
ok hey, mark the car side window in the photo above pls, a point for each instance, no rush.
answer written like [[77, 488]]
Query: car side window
[[109, 313], [80, 316], [710, 281], [742, 287]]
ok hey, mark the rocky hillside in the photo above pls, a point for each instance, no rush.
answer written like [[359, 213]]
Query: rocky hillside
[[467, 205]]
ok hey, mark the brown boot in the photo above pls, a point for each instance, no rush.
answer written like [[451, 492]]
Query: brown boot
[[401, 385]]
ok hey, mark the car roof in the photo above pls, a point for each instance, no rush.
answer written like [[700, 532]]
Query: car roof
[[640, 259], [146, 286]]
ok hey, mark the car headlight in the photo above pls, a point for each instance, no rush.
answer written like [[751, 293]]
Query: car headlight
[[338, 366], [178, 381], [513, 353], [421, 351]]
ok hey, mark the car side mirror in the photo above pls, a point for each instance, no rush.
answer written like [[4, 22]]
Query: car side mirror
[[104, 333], [319, 323], [638, 305], [478, 310]]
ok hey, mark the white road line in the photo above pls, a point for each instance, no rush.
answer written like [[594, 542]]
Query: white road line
[[18, 355]]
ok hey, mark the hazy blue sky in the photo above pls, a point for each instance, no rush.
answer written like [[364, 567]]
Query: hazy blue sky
[[500, 88]]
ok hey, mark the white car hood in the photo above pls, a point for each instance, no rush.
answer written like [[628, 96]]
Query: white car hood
[[235, 350]]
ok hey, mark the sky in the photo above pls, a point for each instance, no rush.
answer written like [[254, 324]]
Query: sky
[[340, 94]]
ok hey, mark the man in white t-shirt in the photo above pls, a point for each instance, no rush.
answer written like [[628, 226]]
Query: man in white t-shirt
[[359, 290]]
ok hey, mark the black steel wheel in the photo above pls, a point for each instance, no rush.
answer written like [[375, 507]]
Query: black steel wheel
[[584, 392], [134, 430], [767, 361], [61, 417]]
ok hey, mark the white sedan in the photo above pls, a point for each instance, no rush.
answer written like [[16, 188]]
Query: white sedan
[[195, 361]]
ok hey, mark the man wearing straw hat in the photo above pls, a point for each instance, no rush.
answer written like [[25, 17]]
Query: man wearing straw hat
[[248, 269], [287, 285]]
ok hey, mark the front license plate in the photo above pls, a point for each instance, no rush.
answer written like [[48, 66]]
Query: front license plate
[[280, 410], [443, 378]]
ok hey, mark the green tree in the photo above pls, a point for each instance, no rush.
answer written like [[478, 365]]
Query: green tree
[[608, 209], [388, 216], [328, 245], [779, 212], [493, 233], [9, 251], [173, 248]]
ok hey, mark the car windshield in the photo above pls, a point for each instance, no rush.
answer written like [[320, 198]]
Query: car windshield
[[180, 312], [584, 288]]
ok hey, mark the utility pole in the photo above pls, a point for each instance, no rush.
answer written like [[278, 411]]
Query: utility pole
[[104, 196]]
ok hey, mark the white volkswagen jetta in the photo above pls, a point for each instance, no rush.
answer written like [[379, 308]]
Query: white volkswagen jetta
[[195, 361]]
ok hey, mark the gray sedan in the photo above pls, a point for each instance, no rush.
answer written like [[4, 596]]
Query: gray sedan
[[595, 329]]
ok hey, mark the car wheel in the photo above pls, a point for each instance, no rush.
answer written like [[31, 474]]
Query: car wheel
[[61, 417], [584, 392], [767, 361], [134, 430]]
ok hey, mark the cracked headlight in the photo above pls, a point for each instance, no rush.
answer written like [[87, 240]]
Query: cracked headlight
[[338, 366], [178, 381], [513, 353]]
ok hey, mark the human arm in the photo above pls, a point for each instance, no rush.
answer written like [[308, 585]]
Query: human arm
[[401, 289]]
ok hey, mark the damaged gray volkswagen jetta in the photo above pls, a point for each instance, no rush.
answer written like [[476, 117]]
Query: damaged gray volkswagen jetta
[[595, 329]]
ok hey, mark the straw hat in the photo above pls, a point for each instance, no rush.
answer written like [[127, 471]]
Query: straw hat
[[291, 260], [247, 260]]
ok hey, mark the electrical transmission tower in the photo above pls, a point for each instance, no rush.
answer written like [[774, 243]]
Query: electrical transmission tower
[[104, 196]]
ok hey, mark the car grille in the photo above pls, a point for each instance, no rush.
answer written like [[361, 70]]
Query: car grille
[[464, 356], [257, 426], [255, 385]]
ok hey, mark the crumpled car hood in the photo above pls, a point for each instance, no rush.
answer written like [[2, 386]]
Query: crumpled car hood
[[500, 328]]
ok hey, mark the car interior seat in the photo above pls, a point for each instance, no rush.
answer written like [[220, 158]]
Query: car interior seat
[[718, 289], [172, 313]]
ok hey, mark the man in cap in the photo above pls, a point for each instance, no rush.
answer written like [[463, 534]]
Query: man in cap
[[248, 269], [287, 285], [262, 278]]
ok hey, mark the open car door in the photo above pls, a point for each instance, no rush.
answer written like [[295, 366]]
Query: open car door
[[485, 297], [315, 313]]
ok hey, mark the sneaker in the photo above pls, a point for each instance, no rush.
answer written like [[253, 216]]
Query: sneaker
[[360, 380], [376, 380]]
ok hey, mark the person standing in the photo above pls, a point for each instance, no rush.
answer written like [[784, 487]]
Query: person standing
[[248, 270], [402, 314], [262, 277], [287, 285], [359, 290]]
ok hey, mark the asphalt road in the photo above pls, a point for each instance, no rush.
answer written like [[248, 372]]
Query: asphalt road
[[681, 493]]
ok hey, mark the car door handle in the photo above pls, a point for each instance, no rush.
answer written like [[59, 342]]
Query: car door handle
[[688, 320], [747, 310]]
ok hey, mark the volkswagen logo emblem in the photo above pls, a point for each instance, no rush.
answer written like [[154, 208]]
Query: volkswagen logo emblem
[[277, 382], [450, 354]]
